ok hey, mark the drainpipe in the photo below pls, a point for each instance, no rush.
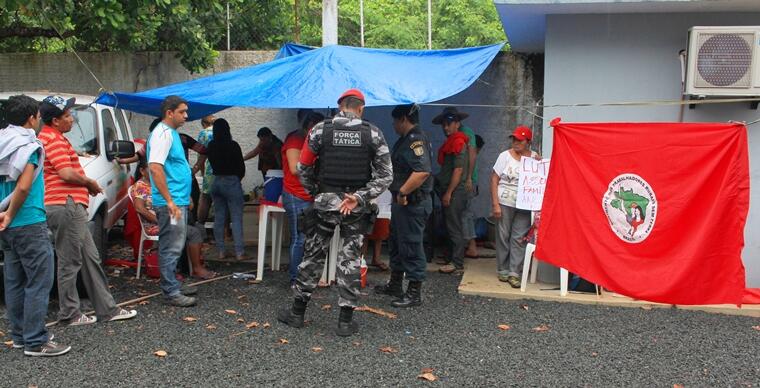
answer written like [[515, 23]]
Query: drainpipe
[[682, 58]]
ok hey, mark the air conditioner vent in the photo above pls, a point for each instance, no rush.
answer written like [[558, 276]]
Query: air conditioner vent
[[723, 61]]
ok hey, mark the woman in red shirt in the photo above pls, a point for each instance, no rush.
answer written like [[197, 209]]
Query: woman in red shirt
[[294, 197]]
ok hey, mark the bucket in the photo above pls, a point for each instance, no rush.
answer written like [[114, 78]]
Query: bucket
[[363, 272]]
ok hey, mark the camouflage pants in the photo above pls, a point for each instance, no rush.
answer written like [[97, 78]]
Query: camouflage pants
[[316, 248]]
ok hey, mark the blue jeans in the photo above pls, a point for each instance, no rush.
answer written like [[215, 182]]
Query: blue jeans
[[293, 207], [171, 241], [28, 279], [228, 194]]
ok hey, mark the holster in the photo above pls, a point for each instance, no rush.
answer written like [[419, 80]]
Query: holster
[[307, 220]]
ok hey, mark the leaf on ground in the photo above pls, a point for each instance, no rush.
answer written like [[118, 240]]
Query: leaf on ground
[[316, 349], [677, 386], [143, 303], [242, 296], [388, 349], [245, 304], [756, 328], [2, 334], [357, 343], [210, 327], [541, 328], [594, 354], [427, 370], [326, 307], [283, 341], [504, 327], [379, 312], [189, 319], [160, 353], [252, 325], [646, 307], [230, 312], [428, 377], [241, 320], [266, 325], [8, 343], [525, 307]]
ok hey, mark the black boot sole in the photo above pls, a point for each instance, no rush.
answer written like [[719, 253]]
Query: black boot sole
[[347, 330], [405, 304], [287, 317]]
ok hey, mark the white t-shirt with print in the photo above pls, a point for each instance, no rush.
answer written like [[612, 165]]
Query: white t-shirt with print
[[508, 170]]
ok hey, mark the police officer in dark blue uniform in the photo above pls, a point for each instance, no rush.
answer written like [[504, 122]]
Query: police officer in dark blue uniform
[[412, 204]]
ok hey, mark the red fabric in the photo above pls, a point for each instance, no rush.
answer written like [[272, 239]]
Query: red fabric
[[454, 145], [699, 174], [291, 184], [751, 296]]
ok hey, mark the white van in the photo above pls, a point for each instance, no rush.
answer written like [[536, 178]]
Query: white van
[[100, 134]]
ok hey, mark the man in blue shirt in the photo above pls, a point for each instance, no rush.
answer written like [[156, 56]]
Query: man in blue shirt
[[28, 253], [170, 179]]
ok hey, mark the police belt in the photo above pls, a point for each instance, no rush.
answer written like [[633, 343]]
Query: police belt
[[412, 198], [323, 188]]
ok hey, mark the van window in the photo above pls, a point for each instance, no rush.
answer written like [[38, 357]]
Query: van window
[[83, 135], [123, 135], [109, 128]]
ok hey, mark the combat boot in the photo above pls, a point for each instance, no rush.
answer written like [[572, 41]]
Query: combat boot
[[293, 316], [413, 296], [394, 287], [346, 325]]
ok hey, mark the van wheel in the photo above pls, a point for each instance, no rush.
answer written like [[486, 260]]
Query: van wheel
[[99, 235]]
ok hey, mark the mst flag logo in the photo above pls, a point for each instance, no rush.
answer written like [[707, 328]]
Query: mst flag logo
[[631, 207]]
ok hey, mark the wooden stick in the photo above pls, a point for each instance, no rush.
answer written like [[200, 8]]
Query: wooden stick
[[142, 298]]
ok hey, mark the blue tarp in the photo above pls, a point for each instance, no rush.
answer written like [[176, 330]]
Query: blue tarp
[[290, 49], [315, 79]]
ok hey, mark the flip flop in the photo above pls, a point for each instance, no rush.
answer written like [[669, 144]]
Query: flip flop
[[210, 275], [381, 266]]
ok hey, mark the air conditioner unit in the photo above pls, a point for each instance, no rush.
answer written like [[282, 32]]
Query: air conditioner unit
[[723, 61]]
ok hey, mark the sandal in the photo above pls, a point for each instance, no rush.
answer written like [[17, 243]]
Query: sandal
[[209, 275], [380, 265], [442, 261]]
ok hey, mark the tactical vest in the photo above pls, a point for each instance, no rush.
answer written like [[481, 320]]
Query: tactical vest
[[345, 157]]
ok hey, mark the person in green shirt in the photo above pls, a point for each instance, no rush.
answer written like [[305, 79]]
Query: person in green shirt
[[451, 185]]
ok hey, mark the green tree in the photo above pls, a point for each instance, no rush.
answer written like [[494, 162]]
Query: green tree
[[190, 27], [196, 29]]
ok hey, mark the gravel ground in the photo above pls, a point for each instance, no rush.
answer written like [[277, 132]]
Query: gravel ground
[[458, 337]]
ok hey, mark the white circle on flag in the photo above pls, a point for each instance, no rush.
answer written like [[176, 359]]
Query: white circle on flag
[[631, 207]]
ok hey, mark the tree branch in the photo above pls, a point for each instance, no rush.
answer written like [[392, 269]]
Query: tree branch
[[31, 32]]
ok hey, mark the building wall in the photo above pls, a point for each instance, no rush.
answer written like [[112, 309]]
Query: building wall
[[634, 57]]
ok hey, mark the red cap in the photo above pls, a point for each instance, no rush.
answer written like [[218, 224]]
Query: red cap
[[351, 93], [522, 133]]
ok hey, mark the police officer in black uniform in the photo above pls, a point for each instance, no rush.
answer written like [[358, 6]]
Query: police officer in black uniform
[[412, 204]]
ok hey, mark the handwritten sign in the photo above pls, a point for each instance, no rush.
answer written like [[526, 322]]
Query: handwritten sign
[[530, 187]]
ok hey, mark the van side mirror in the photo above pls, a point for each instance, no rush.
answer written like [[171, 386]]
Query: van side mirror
[[121, 149]]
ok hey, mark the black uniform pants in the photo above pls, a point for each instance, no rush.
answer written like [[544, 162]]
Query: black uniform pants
[[405, 242]]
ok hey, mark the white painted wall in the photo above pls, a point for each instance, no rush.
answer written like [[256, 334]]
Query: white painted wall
[[634, 57]]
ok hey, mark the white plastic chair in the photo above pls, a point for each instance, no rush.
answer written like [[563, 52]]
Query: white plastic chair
[[143, 236], [532, 265], [276, 214]]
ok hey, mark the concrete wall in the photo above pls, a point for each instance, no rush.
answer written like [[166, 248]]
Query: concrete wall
[[634, 57], [139, 71], [509, 80]]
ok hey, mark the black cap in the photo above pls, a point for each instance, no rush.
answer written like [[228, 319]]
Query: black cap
[[54, 106]]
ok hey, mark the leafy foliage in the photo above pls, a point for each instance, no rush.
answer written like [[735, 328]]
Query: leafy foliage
[[196, 29]]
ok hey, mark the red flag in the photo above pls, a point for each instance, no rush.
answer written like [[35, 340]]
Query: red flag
[[655, 211]]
